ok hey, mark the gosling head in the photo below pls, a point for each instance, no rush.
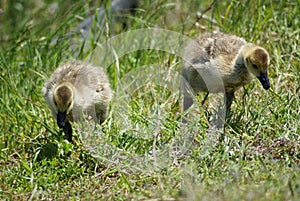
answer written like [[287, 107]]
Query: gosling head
[[257, 60], [63, 100]]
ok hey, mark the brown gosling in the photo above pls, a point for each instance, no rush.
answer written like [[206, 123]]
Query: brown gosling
[[76, 89], [218, 61]]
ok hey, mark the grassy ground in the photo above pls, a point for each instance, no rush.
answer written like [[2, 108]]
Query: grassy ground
[[135, 158]]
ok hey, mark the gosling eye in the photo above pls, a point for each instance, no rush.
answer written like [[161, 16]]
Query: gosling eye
[[255, 66], [55, 103], [99, 89]]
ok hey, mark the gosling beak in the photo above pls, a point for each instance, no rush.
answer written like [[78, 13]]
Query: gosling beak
[[264, 80], [61, 119]]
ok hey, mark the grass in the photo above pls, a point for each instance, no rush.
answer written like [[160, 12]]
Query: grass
[[135, 158]]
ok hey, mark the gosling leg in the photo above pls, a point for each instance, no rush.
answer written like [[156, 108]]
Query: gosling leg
[[228, 100], [187, 102], [205, 98], [68, 131]]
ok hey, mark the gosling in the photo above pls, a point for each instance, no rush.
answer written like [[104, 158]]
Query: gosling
[[216, 62], [76, 89]]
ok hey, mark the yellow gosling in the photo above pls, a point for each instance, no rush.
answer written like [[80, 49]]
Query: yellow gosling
[[76, 89], [215, 60]]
